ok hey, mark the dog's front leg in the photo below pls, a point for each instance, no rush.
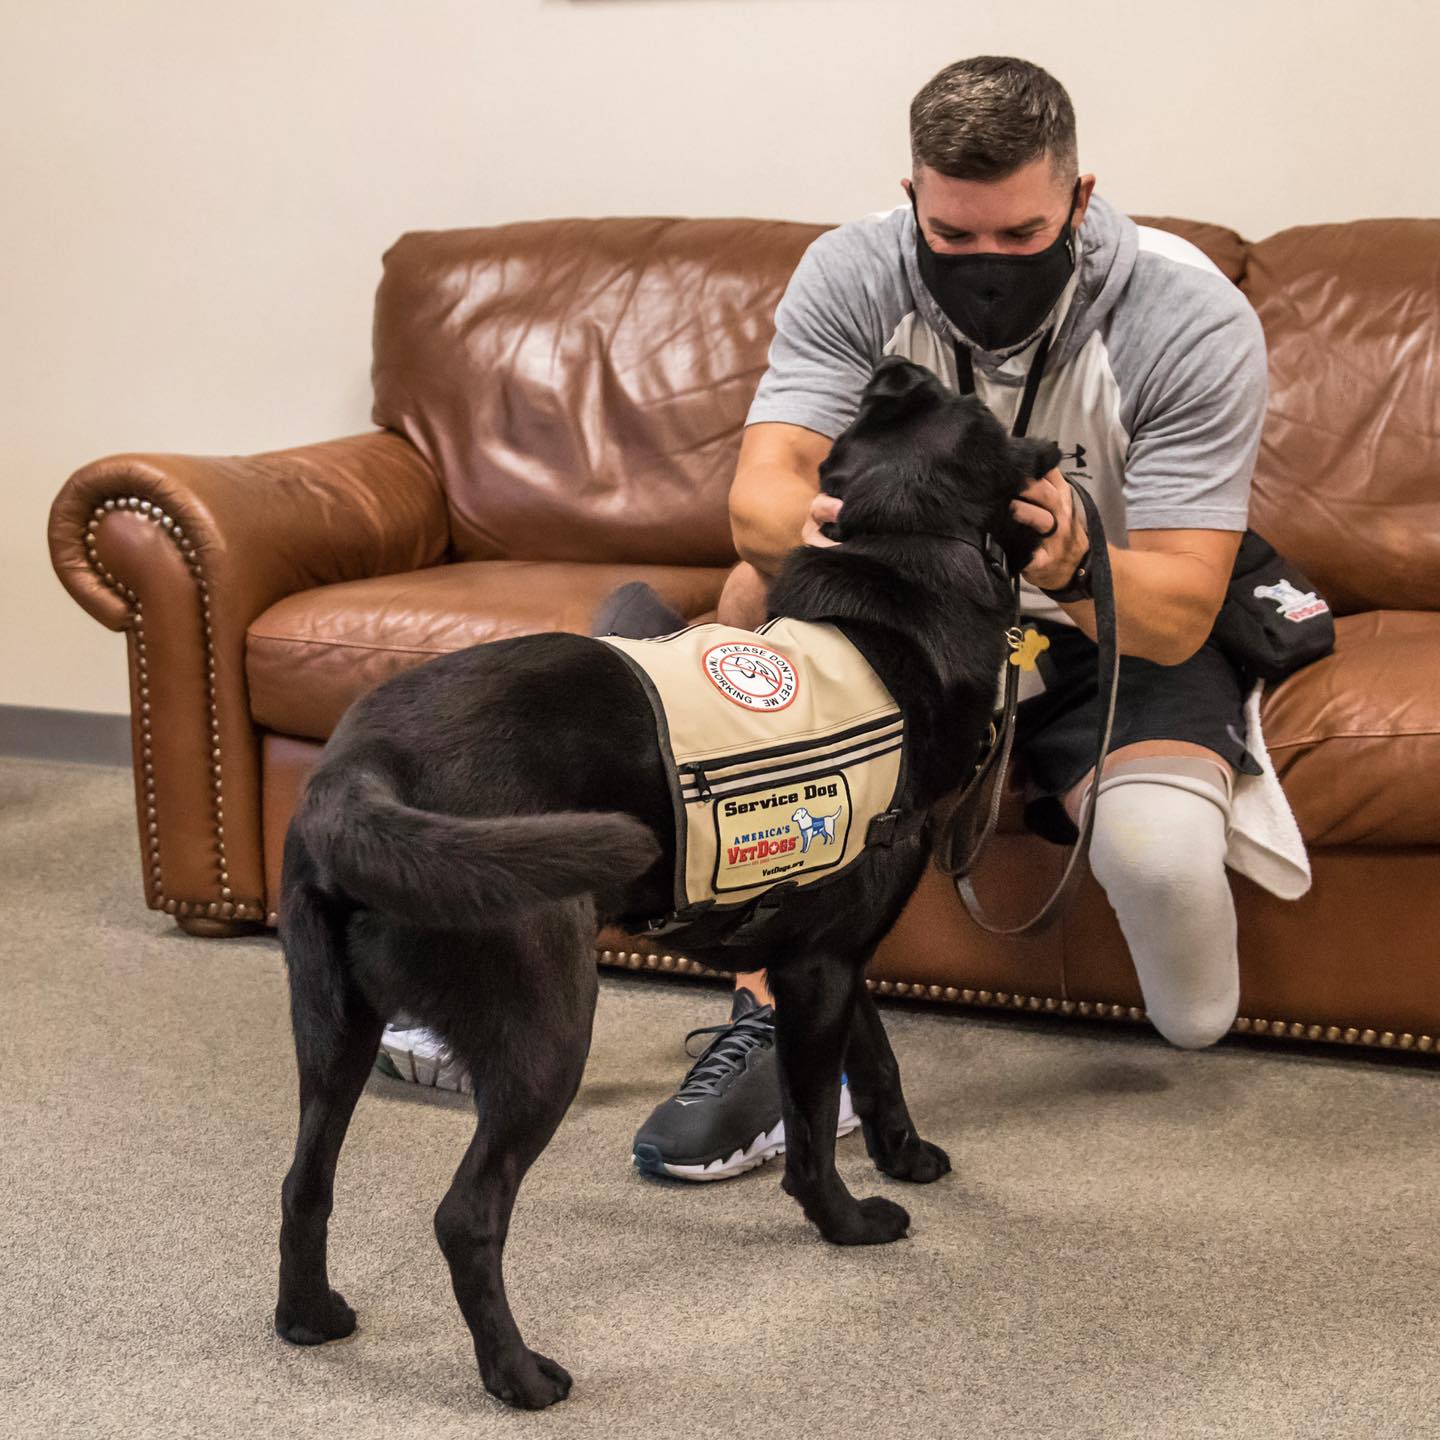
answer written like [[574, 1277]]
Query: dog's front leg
[[814, 1001], [879, 1101]]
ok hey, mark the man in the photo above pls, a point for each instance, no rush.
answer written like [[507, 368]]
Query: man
[[1154, 384]]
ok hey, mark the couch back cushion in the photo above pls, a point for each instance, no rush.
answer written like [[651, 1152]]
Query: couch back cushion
[[1348, 479], [1224, 246], [580, 386]]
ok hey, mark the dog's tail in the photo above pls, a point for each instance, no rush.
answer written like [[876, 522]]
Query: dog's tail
[[457, 872]]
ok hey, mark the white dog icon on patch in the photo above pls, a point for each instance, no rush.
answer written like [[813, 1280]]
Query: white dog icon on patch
[[812, 826], [1295, 604]]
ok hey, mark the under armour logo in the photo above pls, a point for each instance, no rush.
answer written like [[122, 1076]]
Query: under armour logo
[[1077, 455]]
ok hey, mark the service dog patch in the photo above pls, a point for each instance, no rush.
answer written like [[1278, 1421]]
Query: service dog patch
[[751, 676], [770, 834]]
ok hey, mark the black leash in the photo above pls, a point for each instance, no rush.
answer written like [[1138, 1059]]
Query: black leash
[[956, 853]]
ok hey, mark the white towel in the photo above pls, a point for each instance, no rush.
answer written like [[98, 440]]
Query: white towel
[[1264, 840]]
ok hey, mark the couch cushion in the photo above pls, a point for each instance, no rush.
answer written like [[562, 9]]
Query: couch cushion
[[311, 654], [1356, 737], [1345, 480], [580, 386], [1223, 245]]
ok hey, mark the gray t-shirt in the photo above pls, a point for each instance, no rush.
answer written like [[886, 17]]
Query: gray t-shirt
[[1155, 387]]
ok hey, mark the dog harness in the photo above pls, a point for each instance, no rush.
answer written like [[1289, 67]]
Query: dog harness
[[784, 752]]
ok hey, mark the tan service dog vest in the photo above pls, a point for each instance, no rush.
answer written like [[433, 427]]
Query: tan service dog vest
[[781, 746]]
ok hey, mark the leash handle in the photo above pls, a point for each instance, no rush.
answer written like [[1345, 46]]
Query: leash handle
[[1108, 672]]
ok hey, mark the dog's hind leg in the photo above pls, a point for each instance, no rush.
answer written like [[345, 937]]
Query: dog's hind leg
[[815, 999], [879, 1101], [336, 1037], [526, 1054]]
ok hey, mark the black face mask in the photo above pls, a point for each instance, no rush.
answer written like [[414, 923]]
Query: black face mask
[[998, 300]]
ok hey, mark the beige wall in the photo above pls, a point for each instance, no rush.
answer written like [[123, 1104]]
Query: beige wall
[[195, 196]]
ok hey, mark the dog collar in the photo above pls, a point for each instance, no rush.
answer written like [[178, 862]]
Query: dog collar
[[987, 545]]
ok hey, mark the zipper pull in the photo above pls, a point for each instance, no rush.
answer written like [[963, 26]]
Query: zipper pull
[[702, 785]]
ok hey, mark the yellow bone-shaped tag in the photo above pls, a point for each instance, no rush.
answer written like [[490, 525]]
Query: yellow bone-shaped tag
[[1026, 649]]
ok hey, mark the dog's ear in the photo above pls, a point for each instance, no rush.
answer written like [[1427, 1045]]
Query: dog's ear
[[1018, 541], [897, 387], [894, 375], [1036, 457]]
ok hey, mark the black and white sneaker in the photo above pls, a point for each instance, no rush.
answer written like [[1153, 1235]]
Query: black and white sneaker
[[411, 1052], [725, 1117]]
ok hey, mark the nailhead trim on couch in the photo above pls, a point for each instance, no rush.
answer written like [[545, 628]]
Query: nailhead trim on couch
[[1001, 999], [227, 907]]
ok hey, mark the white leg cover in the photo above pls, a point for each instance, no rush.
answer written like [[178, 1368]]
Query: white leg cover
[[1159, 852]]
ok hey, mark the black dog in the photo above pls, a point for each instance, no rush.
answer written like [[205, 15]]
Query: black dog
[[472, 821]]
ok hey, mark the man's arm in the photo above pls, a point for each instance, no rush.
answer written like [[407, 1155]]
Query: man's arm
[[821, 356], [1169, 585], [776, 478], [1199, 414]]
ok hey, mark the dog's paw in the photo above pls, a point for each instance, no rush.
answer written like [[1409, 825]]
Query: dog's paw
[[919, 1162], [876, 1221], [530, 1382], [314, 1324]]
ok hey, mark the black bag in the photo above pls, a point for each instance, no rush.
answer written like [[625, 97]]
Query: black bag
[[1272, 622]]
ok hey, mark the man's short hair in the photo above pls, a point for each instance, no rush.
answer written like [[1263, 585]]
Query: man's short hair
[[983, 118]]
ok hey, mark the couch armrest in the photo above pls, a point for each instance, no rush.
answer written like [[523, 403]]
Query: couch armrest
[[182, 553]]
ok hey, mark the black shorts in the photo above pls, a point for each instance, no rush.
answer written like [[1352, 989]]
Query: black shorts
[[1201, 701]]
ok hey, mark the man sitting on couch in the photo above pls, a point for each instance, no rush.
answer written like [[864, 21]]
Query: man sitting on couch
[[1149, 369], [1154, 386]]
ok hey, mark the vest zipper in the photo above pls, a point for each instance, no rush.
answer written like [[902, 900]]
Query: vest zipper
[[798, 748]]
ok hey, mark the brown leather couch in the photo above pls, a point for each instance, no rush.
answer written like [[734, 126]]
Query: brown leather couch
[[561, 405]]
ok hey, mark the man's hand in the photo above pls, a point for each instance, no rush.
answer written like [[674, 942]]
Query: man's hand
[[1042, 502], [823, 509], [1048, 505]]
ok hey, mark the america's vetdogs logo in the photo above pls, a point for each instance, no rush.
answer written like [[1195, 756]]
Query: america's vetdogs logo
[[751, 676], [755, 843]]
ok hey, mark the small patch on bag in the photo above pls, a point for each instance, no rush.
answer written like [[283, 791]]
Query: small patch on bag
[[768, 834], [1296, 605], [751, 676]]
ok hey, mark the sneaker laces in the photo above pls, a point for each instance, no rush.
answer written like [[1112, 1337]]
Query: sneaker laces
[[725, 1054]]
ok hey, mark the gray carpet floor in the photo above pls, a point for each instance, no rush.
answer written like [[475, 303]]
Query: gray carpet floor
[[1136, 1241]]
